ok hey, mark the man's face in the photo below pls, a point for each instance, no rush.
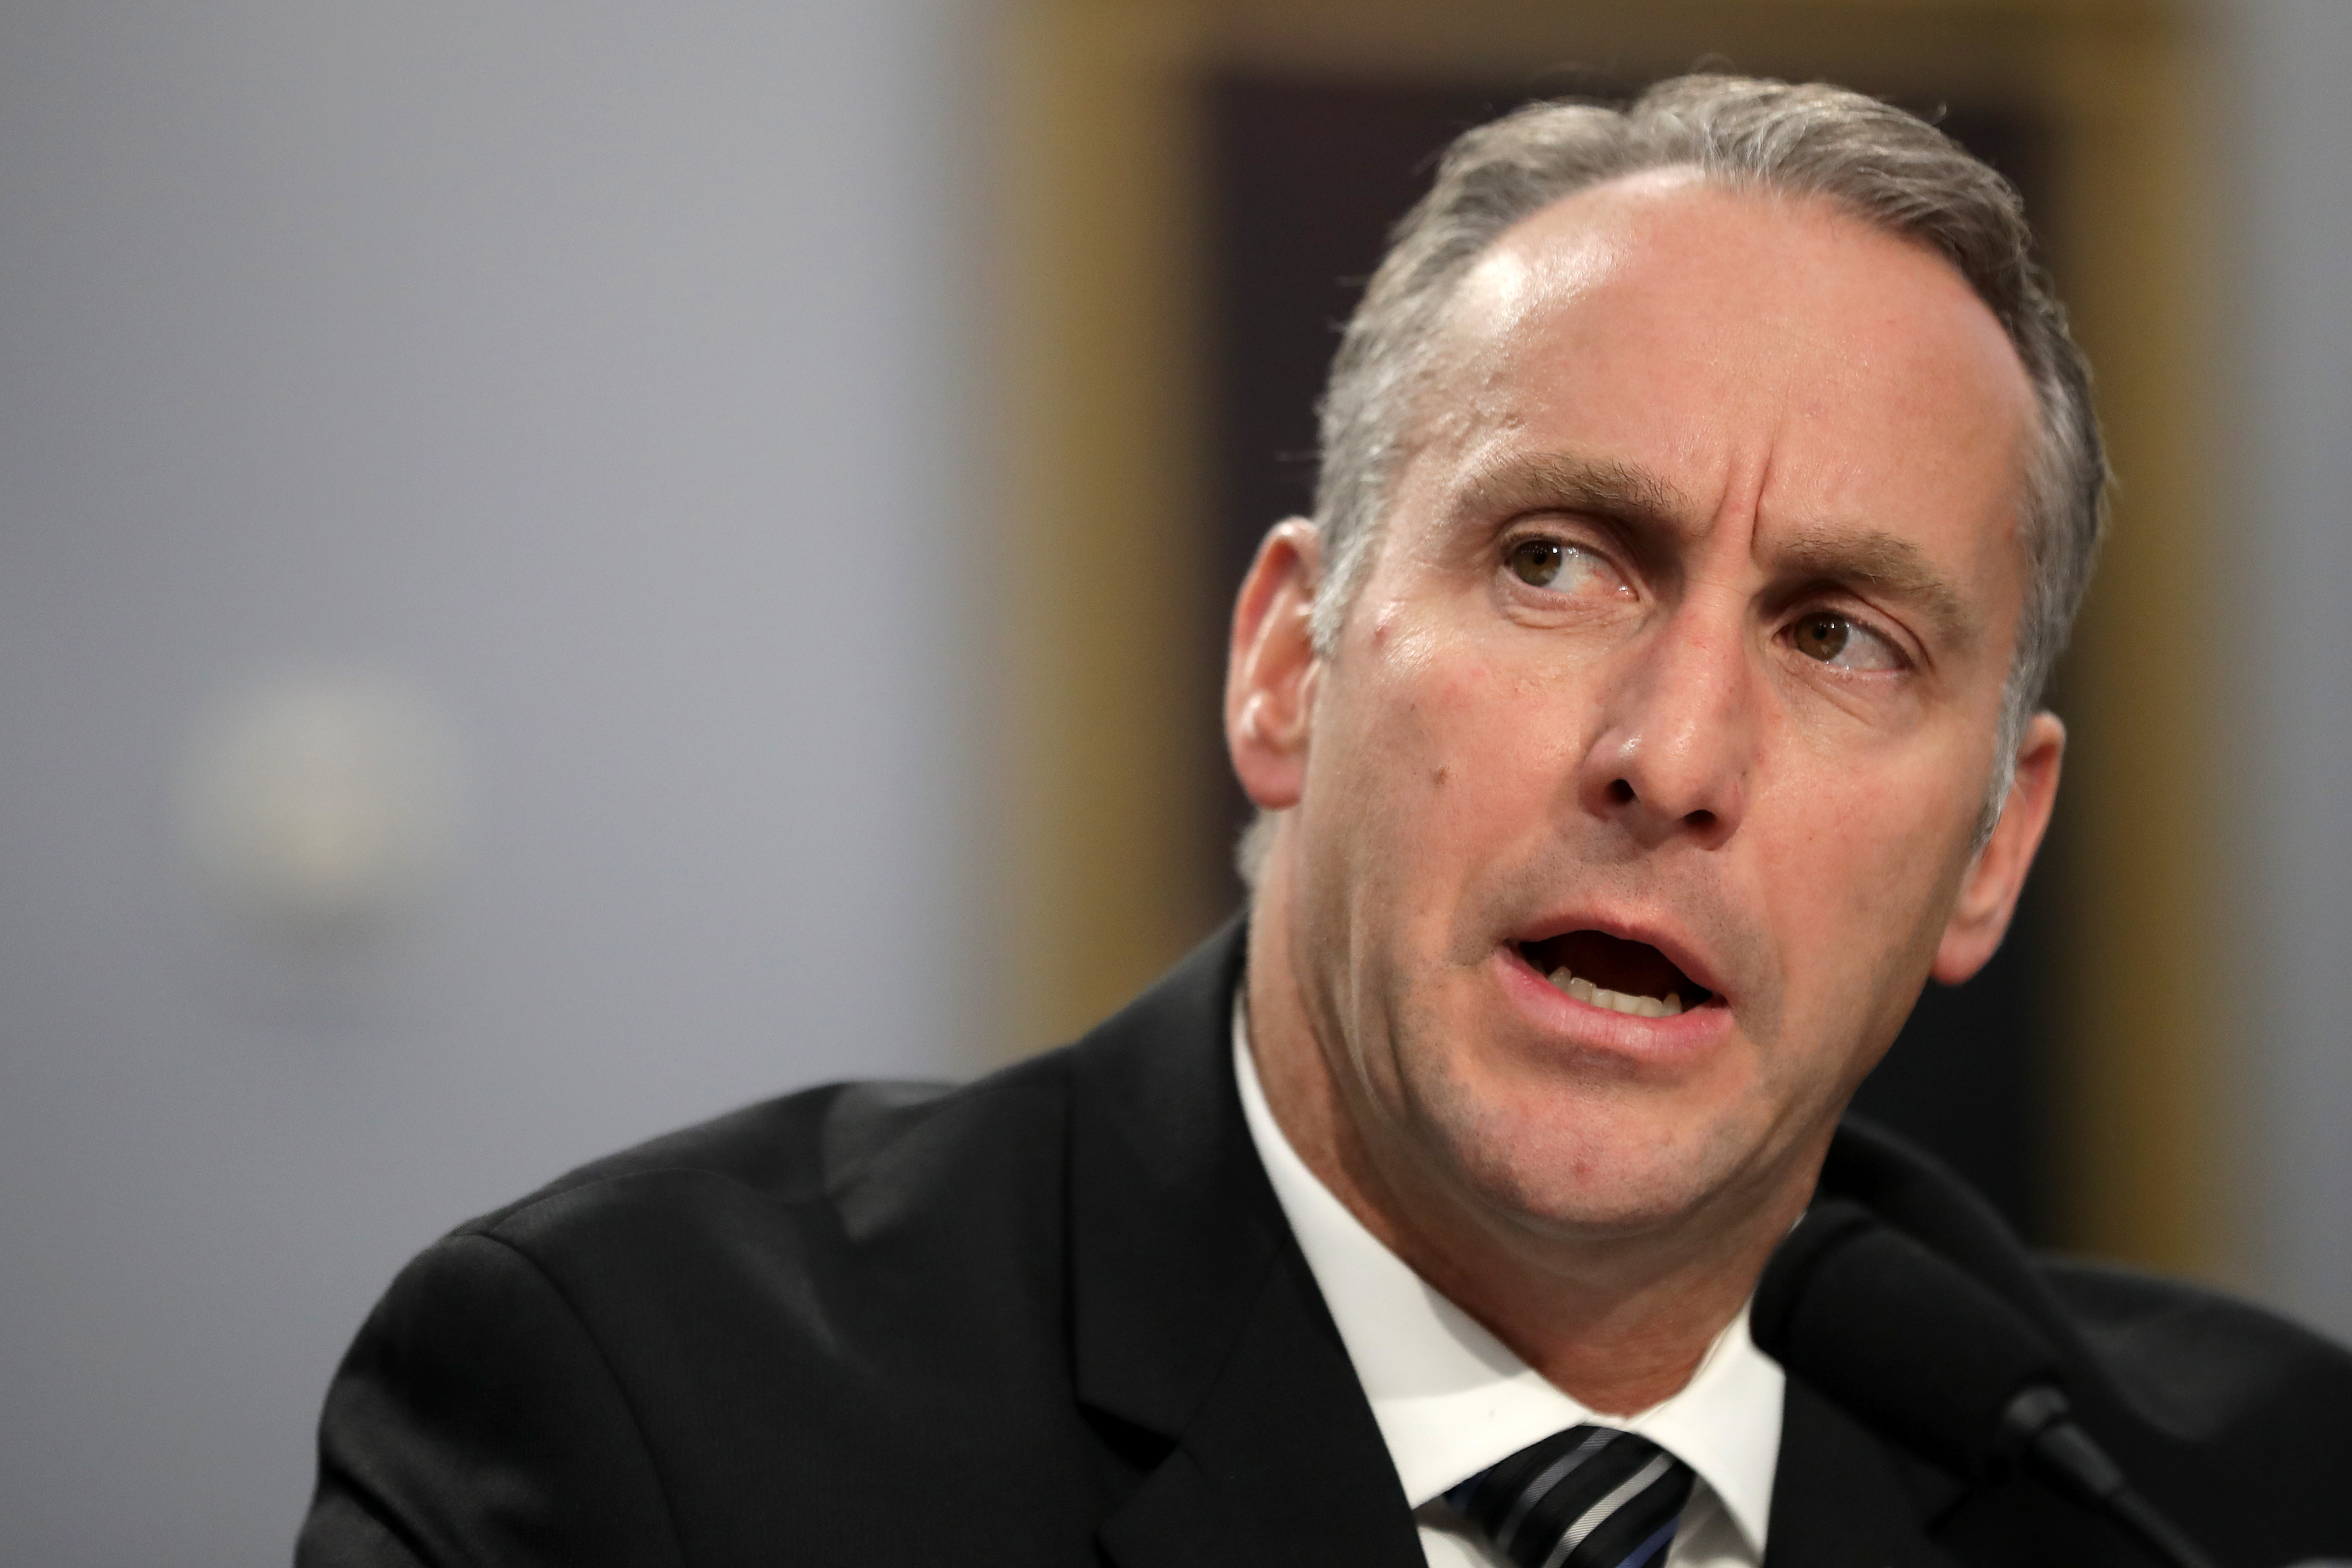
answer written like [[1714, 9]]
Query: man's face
[[1676, 675]]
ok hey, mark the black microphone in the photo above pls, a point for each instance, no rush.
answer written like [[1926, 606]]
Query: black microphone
[[1931, 1357]]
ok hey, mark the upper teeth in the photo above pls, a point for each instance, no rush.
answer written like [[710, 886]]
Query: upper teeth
[[1616, 1001]]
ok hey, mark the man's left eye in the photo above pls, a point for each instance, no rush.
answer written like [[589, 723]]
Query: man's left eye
[[1843, 642]]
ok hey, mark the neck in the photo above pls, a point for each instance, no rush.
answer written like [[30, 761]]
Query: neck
[[1617, 1322]]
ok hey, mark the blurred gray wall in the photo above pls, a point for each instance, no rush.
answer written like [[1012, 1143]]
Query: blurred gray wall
[[594, 369], [2282, 618]]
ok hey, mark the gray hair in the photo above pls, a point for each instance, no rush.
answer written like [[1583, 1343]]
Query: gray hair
[[1885, 167]]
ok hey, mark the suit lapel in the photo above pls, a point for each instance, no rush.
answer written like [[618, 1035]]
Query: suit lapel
[[1193, 1316], [1280, 1465]]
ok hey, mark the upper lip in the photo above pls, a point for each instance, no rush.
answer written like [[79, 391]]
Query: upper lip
[[1680, 951]]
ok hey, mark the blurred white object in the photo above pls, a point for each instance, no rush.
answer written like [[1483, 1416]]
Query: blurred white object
[[322, 803]]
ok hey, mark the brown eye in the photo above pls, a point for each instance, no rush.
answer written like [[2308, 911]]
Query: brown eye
[[1824, 637], [1537, 561]]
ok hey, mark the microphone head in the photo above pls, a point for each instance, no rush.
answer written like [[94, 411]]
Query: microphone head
[[1900, 1337]]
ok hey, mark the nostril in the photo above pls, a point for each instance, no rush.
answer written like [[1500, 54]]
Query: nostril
[[1621, 792], [1701, 820]]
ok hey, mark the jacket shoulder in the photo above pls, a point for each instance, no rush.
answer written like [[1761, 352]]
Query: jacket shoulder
[[812, 1146], [2199, 1365], [2192, 1367]]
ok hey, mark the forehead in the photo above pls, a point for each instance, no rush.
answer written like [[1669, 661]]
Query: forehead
[[1739, 347]]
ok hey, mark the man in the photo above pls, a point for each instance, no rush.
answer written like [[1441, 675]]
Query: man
[[1652, 706]]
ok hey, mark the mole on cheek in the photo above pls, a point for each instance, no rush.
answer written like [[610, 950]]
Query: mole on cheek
[[1437, 780]]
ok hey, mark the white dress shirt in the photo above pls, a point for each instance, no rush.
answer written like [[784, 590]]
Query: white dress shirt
[[1451, 1399]]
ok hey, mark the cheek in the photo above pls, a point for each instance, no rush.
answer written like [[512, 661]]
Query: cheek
[[1447, 747], [1859, 921]]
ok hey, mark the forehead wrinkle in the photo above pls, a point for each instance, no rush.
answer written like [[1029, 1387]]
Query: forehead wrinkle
[[1869, 558]]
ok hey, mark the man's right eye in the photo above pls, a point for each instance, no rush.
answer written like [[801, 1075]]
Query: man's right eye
[[1537, 562], [1559, 566]]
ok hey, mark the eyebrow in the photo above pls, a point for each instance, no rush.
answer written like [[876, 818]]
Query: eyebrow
[[1875, 559], [1861, 558], [1617, 491]]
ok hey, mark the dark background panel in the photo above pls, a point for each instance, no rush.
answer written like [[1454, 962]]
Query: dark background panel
[[1306, 175]]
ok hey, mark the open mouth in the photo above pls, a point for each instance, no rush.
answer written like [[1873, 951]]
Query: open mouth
[[1611, 972]]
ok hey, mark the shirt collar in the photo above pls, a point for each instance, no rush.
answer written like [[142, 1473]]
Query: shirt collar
[[1451, 1399]]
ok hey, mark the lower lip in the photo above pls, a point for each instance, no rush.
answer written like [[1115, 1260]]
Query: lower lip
[[1686, 1033]]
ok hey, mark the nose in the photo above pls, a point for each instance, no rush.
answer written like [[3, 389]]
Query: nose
[[1676, 739]]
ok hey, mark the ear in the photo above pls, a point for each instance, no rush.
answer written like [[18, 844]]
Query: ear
[[1989, 892], [1270, 666]]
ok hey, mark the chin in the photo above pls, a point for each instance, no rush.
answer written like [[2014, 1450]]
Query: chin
[[1593, 1166]]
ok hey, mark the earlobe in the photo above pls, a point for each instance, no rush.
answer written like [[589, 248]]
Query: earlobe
[[1989, 891], [1269, 676]]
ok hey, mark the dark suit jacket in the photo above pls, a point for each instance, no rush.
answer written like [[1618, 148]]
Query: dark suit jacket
[[1056, 1317]]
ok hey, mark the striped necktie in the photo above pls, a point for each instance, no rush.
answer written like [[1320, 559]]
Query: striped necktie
[[1590, 1497]]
